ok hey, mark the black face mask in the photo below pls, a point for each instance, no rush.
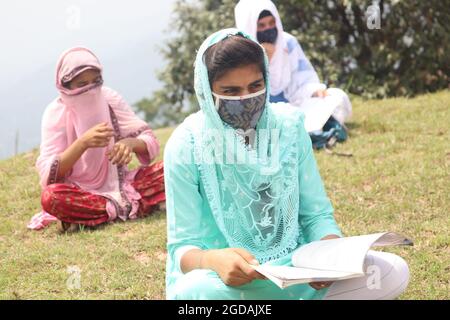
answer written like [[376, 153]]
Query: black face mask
[[268, 36]]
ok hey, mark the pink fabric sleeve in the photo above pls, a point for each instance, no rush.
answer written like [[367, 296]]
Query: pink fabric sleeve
[[53, 143], [131, 126], [152, 147]]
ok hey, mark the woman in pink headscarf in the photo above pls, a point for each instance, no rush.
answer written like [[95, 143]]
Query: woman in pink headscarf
[[89, 134]]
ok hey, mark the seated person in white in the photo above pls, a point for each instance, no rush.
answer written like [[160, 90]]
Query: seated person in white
[[293, 78]]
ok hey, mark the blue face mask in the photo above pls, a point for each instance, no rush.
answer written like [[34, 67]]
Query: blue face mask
[[268, 36], [241, 112]]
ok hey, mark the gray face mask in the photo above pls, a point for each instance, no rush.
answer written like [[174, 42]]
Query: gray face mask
[[241, 112]]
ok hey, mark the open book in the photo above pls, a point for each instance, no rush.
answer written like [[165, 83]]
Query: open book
[[329, 260], [317, 111]]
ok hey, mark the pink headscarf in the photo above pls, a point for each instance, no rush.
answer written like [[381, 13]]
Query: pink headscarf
[[73, 113], [85, 108]]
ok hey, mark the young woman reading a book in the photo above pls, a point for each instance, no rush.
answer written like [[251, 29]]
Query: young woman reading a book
[[89, 134], [243, 188]]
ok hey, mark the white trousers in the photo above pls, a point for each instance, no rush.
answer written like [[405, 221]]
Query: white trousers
[[387, 276]]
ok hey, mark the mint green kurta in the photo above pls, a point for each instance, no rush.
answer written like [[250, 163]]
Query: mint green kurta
[[192, 224]]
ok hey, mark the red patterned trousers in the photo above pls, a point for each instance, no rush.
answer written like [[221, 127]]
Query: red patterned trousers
[[71, 204]]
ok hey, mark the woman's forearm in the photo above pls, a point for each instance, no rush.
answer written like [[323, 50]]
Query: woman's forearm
[[196, 259], [70, 156]]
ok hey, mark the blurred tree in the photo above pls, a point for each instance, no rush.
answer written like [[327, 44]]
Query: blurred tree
[[406, 55]]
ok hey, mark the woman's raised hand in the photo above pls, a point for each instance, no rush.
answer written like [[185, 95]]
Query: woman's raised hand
[[122, 152], [232, 265], [98, 136]]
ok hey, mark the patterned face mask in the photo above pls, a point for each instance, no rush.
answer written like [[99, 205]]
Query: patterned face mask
[[241, 112]]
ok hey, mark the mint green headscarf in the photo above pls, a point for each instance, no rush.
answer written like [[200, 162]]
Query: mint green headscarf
[[255, 202]]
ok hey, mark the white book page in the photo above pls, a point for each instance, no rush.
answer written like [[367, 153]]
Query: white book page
[[284, 276], [317, 111], [392, 238], [293, 273], [329, 260], [343, 254]]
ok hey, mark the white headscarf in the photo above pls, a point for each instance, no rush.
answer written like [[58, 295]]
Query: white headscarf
[[246, 14]]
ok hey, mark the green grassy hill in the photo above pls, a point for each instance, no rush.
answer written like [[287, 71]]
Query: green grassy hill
[[397, 180]]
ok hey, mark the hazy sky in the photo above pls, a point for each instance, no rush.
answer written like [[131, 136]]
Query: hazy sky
[[125, 35]]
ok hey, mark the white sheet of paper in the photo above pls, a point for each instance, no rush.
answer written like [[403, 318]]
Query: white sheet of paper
[[317, 111], [343, 254], [326, 260], [293, 273]]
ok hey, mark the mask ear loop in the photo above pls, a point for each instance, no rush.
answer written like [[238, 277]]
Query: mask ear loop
[[216, 101], [237, 98]]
